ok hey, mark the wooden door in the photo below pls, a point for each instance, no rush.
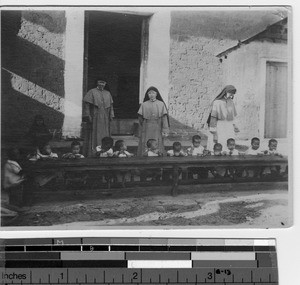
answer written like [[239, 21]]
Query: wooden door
[[276, 100]]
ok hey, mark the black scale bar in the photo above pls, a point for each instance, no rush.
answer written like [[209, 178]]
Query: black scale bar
[[65, 263], [135, 248]]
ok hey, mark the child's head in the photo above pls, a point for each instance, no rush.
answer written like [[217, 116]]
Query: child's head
[[13, 154], [45, 149], [120, 145], [75, 147], [176, 146], [272, 144], [39, 120], [107, 143], [231, 144], [255, 142], [196, 140], [152, 144], [218, 149]]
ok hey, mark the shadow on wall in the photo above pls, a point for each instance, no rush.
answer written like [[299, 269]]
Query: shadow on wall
[[32, 77], [179, 131], [18, 111], [224, 24]]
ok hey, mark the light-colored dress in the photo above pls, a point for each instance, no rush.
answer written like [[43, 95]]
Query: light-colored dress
[[172, 153], [231, 152], [194, 151], [224, 111], [99, 105], [11, 174], [252, 151], [155, 122], [108, 153]]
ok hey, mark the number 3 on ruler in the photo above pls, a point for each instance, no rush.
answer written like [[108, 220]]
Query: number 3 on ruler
[[209, 275]]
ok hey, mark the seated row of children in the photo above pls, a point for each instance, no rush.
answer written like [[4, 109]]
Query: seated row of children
[[13, 172]]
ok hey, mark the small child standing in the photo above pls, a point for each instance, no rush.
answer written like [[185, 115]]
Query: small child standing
[[75, 151], [106, 148], [196, 150], [152, 151], [121, 150], [230, 171], [176, 151], [13, 177]]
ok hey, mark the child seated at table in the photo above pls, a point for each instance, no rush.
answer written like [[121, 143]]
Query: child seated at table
[[254, 150], [75, 151], [106, 147], [272, 150], [152, 148], [13, 177], [72, 177], [217, 171], [152, 151], [230, 148], [176, 150], [197, 150], [121, 150], [43, 152]]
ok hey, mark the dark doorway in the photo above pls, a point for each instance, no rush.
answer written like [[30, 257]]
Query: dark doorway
[[113, 52]]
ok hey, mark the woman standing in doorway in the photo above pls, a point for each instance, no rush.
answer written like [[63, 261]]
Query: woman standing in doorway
[[153, 119], [223, 113], [97, 112]]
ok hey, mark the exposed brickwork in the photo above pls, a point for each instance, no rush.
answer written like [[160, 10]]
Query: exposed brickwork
[[32, 70]]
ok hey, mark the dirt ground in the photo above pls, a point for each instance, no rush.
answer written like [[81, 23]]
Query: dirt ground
[[258, 207]]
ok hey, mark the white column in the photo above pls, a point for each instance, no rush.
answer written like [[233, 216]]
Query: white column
[[159, 54], [74, 52]]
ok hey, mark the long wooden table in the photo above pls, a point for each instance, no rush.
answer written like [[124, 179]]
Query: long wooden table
[[174, 163]]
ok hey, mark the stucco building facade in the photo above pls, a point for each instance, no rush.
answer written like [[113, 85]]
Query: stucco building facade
[[50, 59]]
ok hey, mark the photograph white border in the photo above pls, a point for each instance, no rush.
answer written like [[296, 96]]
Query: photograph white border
[[288, 244]]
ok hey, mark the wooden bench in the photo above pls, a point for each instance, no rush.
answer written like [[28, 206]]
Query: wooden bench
[[108, 165]]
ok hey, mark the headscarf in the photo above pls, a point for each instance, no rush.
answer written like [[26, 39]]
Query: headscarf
[[158, 97], [226, 89]]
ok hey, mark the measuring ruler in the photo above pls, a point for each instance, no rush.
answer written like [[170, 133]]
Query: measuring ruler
[[138, 261]]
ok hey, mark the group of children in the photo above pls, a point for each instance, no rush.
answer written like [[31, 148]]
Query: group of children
[[13, 173]]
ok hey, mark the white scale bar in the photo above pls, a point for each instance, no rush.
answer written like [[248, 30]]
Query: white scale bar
[[159, 264], [223, 255]]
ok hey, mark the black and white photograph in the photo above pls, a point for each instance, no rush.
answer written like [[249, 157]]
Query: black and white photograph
[[146, 117]]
